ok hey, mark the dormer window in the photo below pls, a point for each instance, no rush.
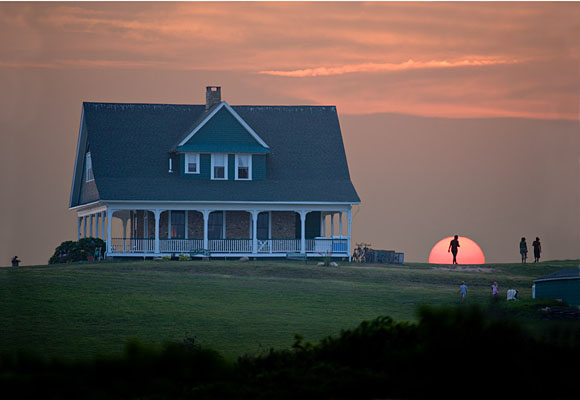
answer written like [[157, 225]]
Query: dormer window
[[243, 167], [219, 166], [192, 163], [89, 167]]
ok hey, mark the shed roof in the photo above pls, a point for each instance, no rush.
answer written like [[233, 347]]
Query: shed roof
[[566, 273], [130, 146]]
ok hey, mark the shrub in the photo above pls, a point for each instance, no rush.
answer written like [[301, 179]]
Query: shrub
[[83, 250]]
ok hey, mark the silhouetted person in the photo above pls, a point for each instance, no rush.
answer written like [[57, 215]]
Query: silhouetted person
[[537, 249], [524, 250], [15, 261], [453, 246]]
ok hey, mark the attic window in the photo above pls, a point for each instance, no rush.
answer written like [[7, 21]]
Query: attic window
[[192, 163], [219, 166], [243, 167], [89, 167]]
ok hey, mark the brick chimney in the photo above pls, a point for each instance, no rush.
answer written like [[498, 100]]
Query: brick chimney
[[213, 95]]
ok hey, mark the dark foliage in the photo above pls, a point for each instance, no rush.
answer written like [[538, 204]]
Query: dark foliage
[[82, 250], [450, 353]]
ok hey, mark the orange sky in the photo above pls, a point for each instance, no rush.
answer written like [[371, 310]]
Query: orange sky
[[450, 60]]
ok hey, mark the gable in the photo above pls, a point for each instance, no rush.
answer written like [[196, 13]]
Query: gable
[[223, 131]]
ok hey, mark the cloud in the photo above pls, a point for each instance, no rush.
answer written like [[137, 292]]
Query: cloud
[[386, 67]]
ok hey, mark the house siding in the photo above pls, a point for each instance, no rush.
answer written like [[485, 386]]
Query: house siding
[[258, 167], [238, 225], [283, 225], [566, 289], [223, 130]]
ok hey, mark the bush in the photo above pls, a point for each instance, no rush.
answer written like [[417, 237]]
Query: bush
[[83, 250]]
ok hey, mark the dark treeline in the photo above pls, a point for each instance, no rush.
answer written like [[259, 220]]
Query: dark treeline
[[450, 353]]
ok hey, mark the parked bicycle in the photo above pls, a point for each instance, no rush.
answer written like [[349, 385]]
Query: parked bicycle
[[362, 252]]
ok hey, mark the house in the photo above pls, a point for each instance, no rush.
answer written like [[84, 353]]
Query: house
[[254, 181], [563, 284]]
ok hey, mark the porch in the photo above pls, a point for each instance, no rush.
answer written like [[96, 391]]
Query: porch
[[225, 232], [336, 247]]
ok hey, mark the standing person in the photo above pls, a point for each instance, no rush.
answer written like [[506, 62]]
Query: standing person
[[453, 245], [524, 250], [494, 290], [537, 249], [15, 261], [462, 291]]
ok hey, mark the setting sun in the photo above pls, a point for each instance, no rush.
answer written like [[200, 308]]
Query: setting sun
[[469, 252]]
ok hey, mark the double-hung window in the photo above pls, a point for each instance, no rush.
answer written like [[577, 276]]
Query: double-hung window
[[192, 163], [89, 167], [219, 166], [243, 166]]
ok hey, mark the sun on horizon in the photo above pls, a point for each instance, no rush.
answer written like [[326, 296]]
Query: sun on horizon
[[469, 252]]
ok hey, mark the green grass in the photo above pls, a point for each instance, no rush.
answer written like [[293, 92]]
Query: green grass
[[80, 310]]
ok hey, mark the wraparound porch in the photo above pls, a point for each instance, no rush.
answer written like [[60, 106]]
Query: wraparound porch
[[222, 230]]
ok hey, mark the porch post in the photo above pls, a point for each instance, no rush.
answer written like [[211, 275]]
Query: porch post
[[97, 225], [205, 229], [80, 221], [331, 225], [349, 224], [157, 217], [103, 225], [340, 223], [92, 217], [85, 226], [254, 231], [186, 227], [109, 241], [322, 224], [303, 232]]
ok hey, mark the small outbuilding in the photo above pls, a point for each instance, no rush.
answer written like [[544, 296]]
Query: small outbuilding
[[563, 284]]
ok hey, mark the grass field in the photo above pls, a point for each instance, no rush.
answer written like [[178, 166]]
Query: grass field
[[80, 310]]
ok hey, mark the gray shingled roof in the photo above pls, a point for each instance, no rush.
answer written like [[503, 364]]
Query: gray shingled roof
[[566, 273], [130, 144]]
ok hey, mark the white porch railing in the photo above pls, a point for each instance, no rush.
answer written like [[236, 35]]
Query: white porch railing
[[133, 245], [267, 246], [230, 245], [179, 245]]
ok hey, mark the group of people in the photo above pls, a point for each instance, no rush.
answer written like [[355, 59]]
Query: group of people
[[524, 249], [512, 294], [454, 247]]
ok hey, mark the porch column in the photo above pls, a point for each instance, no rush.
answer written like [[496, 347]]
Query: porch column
[[124, 233], [92, 217], [322, 224], [340, 223], [85, 226], [157, 217], [80, 221], [303, 232], [109, 241], [331, 225], [254, 231], [205, 228], [103, 225], [349, 224], [186, 225], [97, 225]]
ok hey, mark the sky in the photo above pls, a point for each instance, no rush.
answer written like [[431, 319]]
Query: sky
[[457, 117]]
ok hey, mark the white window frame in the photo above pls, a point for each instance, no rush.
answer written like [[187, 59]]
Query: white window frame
[[225, 155], [249, 178], [188, 156], [89, 175]]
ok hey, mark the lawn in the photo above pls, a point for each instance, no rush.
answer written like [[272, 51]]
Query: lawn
[[80, 310]]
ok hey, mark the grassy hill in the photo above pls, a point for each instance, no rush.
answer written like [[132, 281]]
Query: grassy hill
[[80, 310]]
